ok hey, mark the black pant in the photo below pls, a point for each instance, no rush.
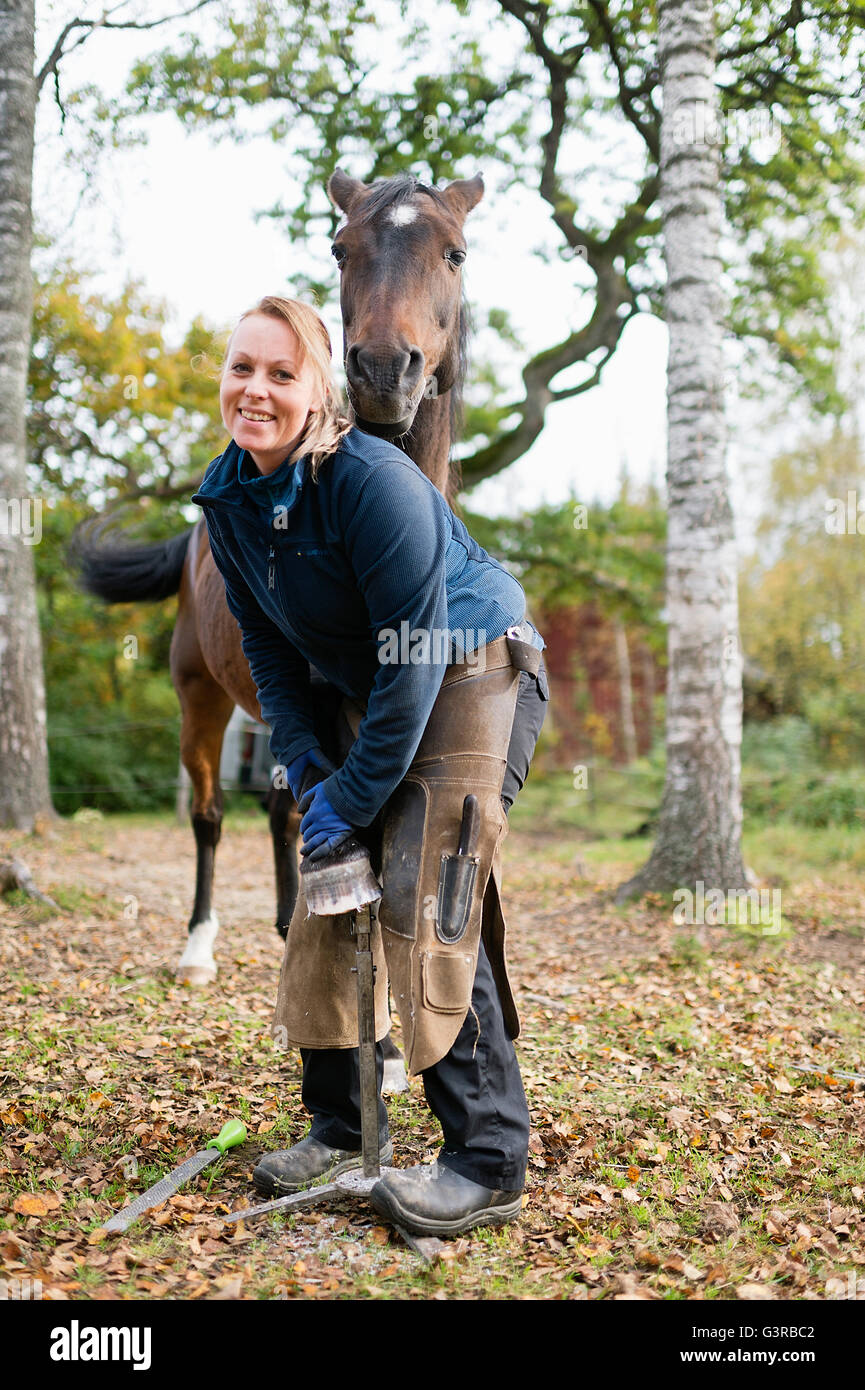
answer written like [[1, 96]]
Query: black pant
[[475, 1091]]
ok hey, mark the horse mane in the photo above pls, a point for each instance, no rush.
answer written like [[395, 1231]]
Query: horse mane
[[457, 413]]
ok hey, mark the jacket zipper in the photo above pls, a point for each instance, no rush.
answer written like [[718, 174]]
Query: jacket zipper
[[271, 569]]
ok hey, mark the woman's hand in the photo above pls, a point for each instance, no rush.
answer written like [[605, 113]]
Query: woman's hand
[[294, 772], [322, 828]]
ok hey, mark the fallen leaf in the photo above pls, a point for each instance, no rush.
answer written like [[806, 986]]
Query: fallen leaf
[[719, 1219], [628, 1289], [644, 1256], [30, 1204]]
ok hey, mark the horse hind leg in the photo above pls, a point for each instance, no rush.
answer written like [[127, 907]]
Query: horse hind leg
[[206, 710], [284, 828]]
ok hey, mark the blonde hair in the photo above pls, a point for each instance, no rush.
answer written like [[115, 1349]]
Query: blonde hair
[[327, 425]]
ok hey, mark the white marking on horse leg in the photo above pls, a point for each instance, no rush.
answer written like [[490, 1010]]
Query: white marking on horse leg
[[402, 215], [197, 966], [395, 1079]]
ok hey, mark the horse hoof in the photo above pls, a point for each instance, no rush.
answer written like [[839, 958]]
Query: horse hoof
[[395, 1079], [195, 975]]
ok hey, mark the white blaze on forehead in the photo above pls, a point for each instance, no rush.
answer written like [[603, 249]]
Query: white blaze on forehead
[[401, 215]]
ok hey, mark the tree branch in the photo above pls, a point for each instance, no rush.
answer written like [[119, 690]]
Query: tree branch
[[792, 19], [603, 330], [558, 72], [89, 26], [649, 130]]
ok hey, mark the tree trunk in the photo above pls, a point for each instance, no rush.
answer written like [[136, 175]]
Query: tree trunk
[[626, 696], [647, 662], [700, 822], [24, 791]]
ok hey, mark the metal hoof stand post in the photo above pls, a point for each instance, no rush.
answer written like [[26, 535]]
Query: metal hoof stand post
[[357, 1182]]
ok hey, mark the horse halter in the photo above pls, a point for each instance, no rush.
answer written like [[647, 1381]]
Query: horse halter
[[388, 431]]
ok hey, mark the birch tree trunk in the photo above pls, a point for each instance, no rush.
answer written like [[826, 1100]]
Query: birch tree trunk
[[24, 791], [700, 822]]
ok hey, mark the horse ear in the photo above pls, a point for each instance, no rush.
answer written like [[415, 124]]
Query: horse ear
[[464, 194], [344, 191]]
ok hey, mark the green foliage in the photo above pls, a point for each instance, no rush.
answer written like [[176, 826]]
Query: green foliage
[[779, 747], [114, 411], [785, 778], [113, 718], [546, 97], [803, 595], [572, 554]]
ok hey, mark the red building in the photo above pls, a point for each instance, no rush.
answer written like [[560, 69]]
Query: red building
[[603, 680]]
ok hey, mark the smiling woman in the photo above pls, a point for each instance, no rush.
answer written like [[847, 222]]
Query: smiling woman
[[277, 394], [329, 540]]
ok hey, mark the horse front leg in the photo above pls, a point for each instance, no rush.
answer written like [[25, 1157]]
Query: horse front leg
[[206, 710]]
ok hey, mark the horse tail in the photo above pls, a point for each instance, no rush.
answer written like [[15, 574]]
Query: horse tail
[[125, 573]]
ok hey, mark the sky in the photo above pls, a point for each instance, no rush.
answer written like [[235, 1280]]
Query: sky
[[177, 214]]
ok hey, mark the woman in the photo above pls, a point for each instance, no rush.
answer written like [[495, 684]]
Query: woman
[[338, 554]]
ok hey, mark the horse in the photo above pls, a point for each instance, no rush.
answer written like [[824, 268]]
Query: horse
[[400, 253]]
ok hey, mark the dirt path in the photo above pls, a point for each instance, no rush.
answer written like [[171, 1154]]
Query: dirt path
[[676, 1151]]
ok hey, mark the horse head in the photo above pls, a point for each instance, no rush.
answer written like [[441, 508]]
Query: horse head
[[400, 253]]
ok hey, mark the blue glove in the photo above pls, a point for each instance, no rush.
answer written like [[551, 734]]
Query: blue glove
[[313, 757], [322, 828]]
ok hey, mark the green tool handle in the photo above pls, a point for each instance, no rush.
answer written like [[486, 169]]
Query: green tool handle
[[232, 1132]]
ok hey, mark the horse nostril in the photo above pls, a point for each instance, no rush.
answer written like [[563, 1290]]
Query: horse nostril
[[414, 370], [352, 366]]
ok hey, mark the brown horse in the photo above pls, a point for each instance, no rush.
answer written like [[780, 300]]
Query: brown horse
[[400, 251]]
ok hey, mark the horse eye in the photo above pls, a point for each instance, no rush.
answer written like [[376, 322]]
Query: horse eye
[[338, 253], [455, 256]]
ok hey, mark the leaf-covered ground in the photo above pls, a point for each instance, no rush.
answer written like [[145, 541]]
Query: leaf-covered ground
[[676, 1153]]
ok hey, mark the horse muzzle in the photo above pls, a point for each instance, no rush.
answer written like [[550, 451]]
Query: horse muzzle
[[385, 388]]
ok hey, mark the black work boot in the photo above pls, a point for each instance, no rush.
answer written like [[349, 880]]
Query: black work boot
[[430, 1200], [288, 1170]]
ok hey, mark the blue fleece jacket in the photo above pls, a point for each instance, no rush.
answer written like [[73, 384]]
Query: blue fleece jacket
[[346, 574]]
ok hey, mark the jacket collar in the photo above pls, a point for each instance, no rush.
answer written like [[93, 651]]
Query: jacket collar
[[232, 480]]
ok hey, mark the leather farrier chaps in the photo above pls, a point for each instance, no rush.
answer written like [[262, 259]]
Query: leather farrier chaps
[[463, 750]]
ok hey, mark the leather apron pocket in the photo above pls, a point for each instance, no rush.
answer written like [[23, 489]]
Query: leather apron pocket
[[446, 981]]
